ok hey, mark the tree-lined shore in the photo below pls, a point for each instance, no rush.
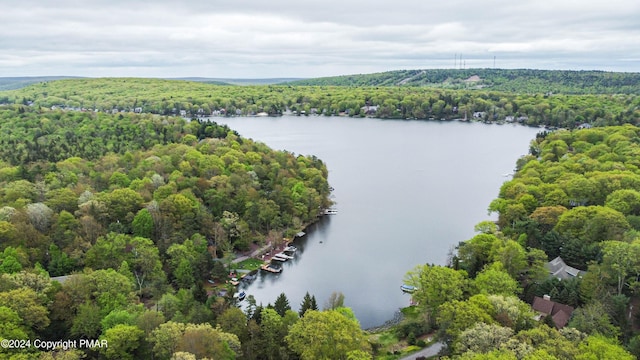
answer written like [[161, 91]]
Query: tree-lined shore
[[193, 99]]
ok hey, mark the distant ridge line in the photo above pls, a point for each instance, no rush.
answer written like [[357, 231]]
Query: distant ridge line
[[507, 80]]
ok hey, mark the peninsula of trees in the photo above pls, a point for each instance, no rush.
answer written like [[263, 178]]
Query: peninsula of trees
[[138, 207]]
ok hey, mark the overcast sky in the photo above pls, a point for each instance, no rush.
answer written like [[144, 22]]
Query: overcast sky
[[309, 38]]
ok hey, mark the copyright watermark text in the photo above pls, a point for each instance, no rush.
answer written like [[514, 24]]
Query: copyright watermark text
[[52, 345]]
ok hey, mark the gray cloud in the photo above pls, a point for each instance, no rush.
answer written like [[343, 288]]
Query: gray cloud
[[283, 38]]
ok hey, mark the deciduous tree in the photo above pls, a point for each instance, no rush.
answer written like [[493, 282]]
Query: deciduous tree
[[123, 341], [326, 335], [436, 285]]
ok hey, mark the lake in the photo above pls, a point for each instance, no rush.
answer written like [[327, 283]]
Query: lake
[[406, 192]]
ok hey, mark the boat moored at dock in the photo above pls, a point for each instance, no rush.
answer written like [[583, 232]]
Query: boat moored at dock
[[285, 255], [279, 257], [240, 296]]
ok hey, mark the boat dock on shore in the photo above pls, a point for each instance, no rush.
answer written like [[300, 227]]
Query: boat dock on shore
[[271, 268]]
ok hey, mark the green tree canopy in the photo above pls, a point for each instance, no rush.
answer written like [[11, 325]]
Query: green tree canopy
[[436, 285], [326, 335]]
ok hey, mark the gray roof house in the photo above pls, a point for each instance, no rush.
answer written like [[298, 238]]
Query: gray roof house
[[562, 271]]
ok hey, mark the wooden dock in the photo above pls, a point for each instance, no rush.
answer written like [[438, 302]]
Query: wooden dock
[[268, 267]]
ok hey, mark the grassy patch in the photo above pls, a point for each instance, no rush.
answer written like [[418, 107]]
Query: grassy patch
[[249, 264], [391, 343], [411, 348], [410, 312], [387, 344], [387, 338]]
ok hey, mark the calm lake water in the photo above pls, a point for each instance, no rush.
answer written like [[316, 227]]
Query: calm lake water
[[406, 193]]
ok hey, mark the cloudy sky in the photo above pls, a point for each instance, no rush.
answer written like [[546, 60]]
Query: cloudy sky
[[287, 38]]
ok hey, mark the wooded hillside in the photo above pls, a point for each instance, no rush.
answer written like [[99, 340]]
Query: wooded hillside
[[523, 81]]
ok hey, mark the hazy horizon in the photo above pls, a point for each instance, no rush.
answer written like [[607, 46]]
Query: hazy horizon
[[283, 77]]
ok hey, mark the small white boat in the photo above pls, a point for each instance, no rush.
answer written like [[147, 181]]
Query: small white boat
[[279, 257], [286, 256], [408, 288], [290, 248], [240, 296], [330, 211]]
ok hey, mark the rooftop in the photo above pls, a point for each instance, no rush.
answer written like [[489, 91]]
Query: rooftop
[[562, 271]]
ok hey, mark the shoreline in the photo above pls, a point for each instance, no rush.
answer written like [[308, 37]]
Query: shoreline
[[259, 253]]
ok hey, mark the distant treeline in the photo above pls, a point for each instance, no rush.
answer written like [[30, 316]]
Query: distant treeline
[[11, 83], [190, 99], [515, 80]]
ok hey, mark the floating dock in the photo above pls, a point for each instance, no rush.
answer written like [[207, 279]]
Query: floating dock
[[270, 268]]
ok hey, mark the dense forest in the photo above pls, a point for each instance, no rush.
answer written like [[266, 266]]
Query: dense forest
[[140, 208], [108, 181], [191, 99], [510, 80]]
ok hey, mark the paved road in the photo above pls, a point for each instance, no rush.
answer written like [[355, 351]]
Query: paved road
[[426, 352]]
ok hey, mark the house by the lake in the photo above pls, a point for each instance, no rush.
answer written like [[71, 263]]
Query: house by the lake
[[560, 313]]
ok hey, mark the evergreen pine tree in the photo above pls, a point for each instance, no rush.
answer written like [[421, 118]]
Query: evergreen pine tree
[[199, 292], [282, 304], [306, 304], [257, 314]]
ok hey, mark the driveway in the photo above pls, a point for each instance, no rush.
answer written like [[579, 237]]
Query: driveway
[[432, 350]]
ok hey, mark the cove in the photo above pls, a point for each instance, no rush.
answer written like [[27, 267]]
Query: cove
[[406, 192]]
